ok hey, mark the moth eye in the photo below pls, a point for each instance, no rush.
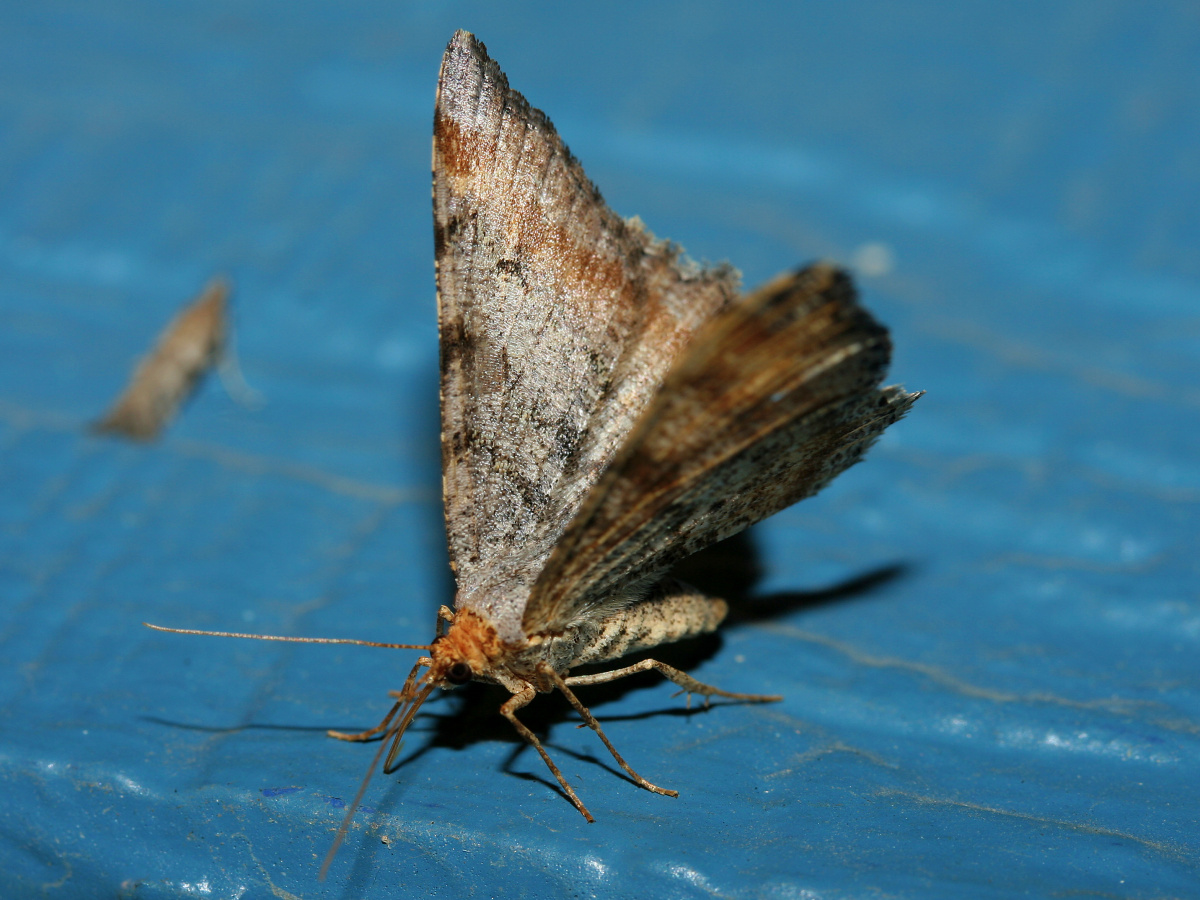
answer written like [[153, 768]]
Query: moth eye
[[459, 673]]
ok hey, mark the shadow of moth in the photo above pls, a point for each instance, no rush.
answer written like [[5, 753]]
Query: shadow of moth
[[608, 408]]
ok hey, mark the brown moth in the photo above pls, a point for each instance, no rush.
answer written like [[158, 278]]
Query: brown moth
[[187, 347], [608, 408]]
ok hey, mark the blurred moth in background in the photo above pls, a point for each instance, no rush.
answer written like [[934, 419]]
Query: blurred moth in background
[[190, 344]]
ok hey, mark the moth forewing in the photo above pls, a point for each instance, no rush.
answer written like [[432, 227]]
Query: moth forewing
[[558, 318]]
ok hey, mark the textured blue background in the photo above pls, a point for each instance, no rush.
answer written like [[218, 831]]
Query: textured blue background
[[988, 635]]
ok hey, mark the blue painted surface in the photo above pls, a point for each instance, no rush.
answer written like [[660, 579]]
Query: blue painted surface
[[987, 635]]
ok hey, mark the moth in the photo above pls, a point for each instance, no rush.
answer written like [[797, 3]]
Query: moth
[[164, 378], [608, 408]]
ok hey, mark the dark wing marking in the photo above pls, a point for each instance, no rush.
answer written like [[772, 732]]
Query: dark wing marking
[[774, 398]]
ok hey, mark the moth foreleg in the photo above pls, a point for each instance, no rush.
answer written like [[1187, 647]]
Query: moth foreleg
[[401, 697], [684, 680], [370, 732], [592, 723], [509, 711], [410, 683]]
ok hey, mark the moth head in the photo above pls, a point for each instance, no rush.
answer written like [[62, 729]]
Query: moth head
[[468, 651]]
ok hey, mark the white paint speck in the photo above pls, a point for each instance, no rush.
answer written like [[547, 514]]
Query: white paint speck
[[873, 260]]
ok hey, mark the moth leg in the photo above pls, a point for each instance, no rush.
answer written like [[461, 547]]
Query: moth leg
[[684, 680], [370, 732], [509, 711], [445, 614], [401, 696], [592, 723]]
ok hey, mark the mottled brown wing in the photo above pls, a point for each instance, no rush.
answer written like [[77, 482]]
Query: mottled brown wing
[[775, 397], [558, 322]]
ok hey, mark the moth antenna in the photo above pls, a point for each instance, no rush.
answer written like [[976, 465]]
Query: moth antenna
[[396, 734], [291, 640]]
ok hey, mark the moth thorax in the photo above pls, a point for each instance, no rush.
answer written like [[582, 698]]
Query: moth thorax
[[469, 648]]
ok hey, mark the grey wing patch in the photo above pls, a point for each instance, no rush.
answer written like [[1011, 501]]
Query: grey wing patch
[[558, 322], [774, 399]]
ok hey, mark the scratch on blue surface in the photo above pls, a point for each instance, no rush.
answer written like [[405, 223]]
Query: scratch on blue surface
[[1173, 851], [948, 680]]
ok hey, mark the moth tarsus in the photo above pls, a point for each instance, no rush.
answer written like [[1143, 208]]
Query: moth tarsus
[[608, 408]]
